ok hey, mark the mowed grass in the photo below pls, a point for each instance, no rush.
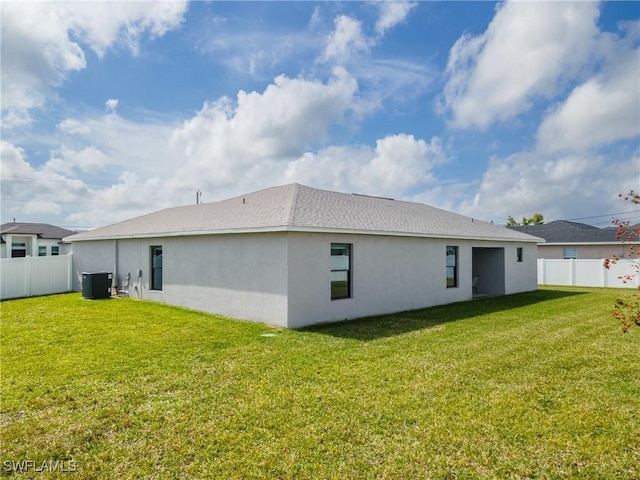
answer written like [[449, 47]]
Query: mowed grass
[[535, 385]]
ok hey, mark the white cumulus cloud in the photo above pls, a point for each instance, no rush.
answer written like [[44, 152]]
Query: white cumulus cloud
[[557, 186], [86, 160], [347, 38], [43, 41], [30, 191], [111, 106], [391, 14], [396, 165], [529, 50], [229, 142], [602, 110]]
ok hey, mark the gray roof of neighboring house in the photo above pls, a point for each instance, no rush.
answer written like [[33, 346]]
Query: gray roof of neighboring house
[[42, 230], [299, 208], [564, 231]]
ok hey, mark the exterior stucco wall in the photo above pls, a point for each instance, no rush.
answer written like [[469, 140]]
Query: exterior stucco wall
[[284, 278], [98, 256], [63, 248], [388, 274], [520, 276], [554, 252], [241, 276]]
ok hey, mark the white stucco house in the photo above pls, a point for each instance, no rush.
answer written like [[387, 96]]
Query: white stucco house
[[572, 240], [20, 239], [292, 256]]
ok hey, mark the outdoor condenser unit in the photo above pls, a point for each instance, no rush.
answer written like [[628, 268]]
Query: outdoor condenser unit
[[96, 285]]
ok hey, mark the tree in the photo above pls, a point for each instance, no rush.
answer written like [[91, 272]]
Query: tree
[[535, 219], [627, 309], [511, 222]]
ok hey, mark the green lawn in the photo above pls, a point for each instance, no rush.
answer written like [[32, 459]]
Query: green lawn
[[536, 385]]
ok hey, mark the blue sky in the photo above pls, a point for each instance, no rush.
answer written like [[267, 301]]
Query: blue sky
[[115, 109]]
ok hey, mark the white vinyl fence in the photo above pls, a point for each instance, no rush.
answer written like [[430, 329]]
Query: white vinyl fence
[[32, 276], [587, 273]]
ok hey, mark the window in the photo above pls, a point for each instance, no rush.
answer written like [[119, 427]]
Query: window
[[156, 268], [452, 267], [55, 250], [42, 251], [519, 253], [340, 271], [570, 252], [18, 249]]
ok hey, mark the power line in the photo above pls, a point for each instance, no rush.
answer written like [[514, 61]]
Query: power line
[[605, 215], [609, 215]]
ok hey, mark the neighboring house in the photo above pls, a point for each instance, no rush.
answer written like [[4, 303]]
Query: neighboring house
[[293, 256], [32, 239], [565, 240]]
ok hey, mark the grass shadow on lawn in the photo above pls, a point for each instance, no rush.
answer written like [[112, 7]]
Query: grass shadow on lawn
[[372, 328]]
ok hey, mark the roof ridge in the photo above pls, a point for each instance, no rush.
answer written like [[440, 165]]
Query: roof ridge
[[579, 225], [294, 205]]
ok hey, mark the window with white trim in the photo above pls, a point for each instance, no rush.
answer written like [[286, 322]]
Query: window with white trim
[[156, 267], [18, 249], [340, 270], [452, 266]]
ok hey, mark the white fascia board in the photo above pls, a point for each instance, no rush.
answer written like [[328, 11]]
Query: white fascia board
[[618, 242], [410, 234], [185, 233], [304, 230]]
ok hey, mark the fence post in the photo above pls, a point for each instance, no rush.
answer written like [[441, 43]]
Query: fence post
[[69, 272], [572, 272], [27, 276], [539, 272]]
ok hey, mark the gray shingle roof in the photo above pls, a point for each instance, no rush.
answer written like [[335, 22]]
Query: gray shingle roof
[[297, 207], [43, 230], [564, 231]]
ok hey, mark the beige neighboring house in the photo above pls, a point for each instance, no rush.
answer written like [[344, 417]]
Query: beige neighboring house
[[573, 240], [292, 256], [19, 239]]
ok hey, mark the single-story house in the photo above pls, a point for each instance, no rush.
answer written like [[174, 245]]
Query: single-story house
[[292, 256], [19, 239], [566, 240]]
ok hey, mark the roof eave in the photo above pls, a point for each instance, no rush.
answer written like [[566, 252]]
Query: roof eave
[[411, 234], [302, 229], [611, 242]]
